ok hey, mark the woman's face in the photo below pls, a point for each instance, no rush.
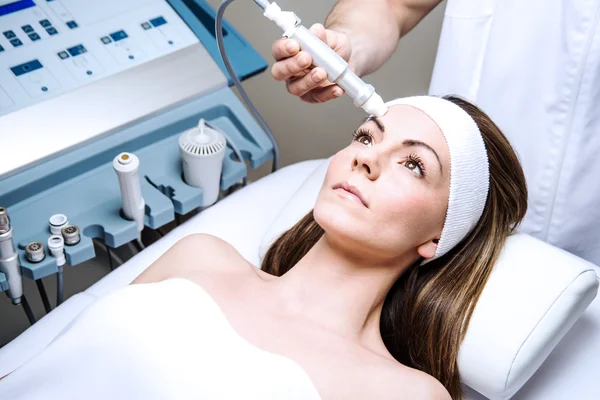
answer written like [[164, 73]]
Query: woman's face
[[386, 194]]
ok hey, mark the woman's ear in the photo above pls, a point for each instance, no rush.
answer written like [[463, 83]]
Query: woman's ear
[[427, 249]]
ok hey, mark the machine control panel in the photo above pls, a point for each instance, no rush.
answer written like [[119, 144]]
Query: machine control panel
[[50, 47]]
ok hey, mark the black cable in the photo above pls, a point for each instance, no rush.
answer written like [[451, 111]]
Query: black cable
[[43, 295], [139, 246], [110, 263], [236, 81], [27, 310], [59, 286]]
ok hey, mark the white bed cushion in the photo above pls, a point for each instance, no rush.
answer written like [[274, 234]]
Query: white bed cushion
[[533, 297]]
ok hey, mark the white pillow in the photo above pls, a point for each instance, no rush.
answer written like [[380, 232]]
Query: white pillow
[[534, 295]]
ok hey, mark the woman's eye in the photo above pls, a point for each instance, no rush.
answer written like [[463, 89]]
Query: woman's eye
[[413, 166], [364, 139]]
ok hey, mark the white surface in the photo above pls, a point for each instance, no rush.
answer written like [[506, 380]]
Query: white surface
[[165, 351], [569, 372]]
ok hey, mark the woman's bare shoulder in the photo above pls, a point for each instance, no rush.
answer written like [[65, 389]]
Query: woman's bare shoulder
[[410, 383], [197, 256]]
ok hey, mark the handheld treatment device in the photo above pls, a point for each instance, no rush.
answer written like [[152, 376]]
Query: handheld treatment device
[[323, 56], [126, 165], [202, 150], [9, 259]]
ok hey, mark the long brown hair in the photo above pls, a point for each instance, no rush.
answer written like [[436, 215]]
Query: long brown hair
[[427, 311]]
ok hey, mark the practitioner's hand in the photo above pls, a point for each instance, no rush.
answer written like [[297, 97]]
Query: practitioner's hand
[[295, 67]]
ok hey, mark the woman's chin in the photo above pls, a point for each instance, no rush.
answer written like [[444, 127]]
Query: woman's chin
[[341, 221]]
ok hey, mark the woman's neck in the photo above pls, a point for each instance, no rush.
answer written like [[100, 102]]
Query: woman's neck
[[340, 293]]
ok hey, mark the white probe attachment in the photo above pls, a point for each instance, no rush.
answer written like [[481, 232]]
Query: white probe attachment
[[338, 70], [56, 245], [126, 165]]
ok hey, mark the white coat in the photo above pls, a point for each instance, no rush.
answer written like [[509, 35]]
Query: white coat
[[534, 67]]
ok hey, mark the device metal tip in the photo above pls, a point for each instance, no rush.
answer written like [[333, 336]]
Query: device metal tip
[[4, 221]]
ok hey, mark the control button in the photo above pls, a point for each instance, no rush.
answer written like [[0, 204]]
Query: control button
[[105, 40], [72, 24], [51, 31], [146, 26], [27, 28], [10, 35], [44, 89], [45, 23], [1, 48], [34, 36], [77, 50], [63, 55], [120, 35], [16, 42], [158, 21], [30, 66]]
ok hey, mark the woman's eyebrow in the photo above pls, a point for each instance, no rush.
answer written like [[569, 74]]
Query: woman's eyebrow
[[377, 122]]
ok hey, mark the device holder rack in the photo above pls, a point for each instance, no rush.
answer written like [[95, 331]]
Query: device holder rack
[[82, 184]]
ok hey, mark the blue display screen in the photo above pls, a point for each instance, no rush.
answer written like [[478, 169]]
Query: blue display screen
[[16, 6]]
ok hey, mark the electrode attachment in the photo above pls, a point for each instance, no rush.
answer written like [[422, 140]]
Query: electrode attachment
[[34, 252], [202, 151], [56, 246], [57, 222], [70, 234], [126, 166], [9, 259], [4, 221]]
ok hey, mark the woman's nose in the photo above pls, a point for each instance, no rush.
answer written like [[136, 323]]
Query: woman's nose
[[366, 161]]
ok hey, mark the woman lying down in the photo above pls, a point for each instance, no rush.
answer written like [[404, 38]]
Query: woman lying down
[[367, 297]]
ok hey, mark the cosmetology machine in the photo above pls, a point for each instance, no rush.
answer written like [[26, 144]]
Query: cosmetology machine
[[116, 116]]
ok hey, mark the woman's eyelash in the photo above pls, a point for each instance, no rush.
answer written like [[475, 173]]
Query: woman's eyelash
[[362, 133], [417, 160]]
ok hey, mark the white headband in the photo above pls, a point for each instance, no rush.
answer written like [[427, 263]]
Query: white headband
[[469, 167]]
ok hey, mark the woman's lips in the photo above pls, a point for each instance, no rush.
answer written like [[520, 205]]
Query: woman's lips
[[350, 192]]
